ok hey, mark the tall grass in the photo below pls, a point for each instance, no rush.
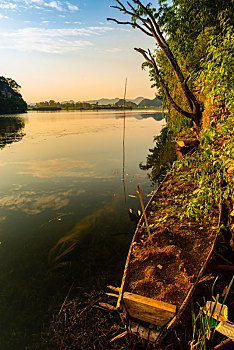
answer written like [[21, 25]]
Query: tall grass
[[203, 323]]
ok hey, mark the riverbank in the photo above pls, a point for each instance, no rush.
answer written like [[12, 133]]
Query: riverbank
[[210, 170]]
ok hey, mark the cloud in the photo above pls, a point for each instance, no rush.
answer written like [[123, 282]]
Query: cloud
[[3, 17], [72, 7], [114, 50], [39, 4], [8, 6], [49, 40], [67, 22], [54, 4]]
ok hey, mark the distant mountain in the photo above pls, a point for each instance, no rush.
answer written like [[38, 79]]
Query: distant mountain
[[150, 103], [136, 100], [107, 101], [127, 103], [104, 101]]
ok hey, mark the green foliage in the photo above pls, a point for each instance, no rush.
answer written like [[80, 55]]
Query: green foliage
[[185, 20], [196, 38], [218, 67], [211, 169], [199, 52]]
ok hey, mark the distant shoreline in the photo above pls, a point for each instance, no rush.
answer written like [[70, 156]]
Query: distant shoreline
[[56, 109]]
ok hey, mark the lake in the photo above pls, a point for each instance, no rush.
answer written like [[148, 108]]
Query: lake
[[65, 196]]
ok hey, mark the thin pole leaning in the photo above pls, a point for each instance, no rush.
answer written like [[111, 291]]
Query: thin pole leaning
[[124, 132]]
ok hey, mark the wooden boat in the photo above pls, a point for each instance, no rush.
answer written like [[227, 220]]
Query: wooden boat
[[143, 312]]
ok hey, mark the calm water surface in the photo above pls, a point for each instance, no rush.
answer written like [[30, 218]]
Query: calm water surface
[[63, 210]]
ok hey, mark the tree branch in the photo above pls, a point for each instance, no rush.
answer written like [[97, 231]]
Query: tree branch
[[132, 14], [150, 15], [132, 24], [164, 46], [153, 63]]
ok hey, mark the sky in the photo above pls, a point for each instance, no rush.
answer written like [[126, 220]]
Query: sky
[[67, 50]]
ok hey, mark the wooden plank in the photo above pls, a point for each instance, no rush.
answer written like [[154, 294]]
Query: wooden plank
[[144, 332], [148, 310]]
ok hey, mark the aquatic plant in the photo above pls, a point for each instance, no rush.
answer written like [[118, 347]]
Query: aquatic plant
[[70, 241]]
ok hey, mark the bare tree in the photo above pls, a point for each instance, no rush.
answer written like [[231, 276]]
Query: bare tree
[[149, 26]]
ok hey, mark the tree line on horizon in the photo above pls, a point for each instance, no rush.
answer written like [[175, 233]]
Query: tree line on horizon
[[85, 105]]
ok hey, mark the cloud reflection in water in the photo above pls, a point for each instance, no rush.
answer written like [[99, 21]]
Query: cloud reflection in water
[[30, 202]]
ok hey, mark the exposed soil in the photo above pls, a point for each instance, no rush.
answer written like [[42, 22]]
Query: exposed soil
[[167, 269], [164, 271]]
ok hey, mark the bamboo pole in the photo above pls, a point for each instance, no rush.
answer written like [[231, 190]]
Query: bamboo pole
[[143, 209], [124, 134]]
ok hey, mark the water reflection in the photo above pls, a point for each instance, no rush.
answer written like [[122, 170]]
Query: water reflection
[[50, 168], [32, 203], [161, 156], [11, 130], [156, 115]]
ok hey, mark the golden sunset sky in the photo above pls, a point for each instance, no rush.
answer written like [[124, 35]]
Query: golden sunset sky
[[64, 50]]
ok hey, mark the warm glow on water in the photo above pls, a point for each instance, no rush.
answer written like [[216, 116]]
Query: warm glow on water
[[64, 177]]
